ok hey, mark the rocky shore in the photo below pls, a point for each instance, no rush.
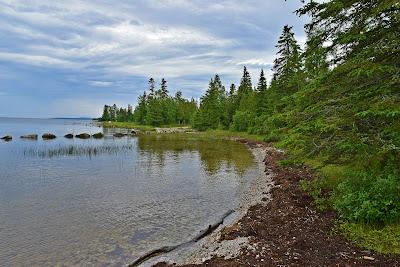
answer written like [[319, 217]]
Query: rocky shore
[[277, 227]]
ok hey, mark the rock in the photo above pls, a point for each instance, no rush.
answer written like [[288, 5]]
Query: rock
[[119, 135], [83, 136], [48, 136], [135, 132], [69, 136], [98, 135], [30, 136], [368, 258], [6, 138]]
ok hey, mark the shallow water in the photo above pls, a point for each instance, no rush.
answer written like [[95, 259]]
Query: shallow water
[[105, 202]]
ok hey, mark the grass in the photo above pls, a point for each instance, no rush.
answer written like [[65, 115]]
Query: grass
[[384, 240], [219, 134], [127, 125], [76, 150], [132, 125]]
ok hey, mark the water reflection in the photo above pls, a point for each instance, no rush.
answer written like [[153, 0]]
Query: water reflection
[[61, 207], [213, 153]]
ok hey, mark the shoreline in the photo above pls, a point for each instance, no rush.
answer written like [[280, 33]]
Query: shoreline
[[256, 192], [288, 230]]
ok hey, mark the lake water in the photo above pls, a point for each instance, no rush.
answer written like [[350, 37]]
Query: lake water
[[105, 202]]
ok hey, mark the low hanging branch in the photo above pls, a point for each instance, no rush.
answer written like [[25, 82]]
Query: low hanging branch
[[166, 249]]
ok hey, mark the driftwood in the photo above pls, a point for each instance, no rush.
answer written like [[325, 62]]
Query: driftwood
[[166, 249], [212, 227]]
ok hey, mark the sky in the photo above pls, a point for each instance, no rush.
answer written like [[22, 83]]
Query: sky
[[68, 58]]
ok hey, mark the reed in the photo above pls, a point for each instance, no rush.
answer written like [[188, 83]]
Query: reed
[[77, 150]]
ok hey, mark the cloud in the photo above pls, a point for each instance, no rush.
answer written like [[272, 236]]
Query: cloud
[[36, 60], [101, 83], [74, 47]]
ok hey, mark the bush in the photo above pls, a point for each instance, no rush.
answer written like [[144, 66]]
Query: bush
[[242, 120], [363, 197]]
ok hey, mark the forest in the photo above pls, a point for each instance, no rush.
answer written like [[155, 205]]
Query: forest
[[333, 105]]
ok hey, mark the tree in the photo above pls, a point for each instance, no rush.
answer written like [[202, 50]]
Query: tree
[[152, 88], [315, 55], [261, 91], [140, 113], [106, 113], [287, 66], [209, 113], [164, 89]]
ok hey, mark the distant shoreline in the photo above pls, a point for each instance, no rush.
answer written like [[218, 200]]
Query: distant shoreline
[[57, 118]]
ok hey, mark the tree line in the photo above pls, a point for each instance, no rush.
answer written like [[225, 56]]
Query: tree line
[[155, 107]]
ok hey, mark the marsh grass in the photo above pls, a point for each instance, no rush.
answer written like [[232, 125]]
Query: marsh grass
[[76, 150]]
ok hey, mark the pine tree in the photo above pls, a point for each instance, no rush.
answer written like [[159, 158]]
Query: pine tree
[[209, 113], [232, 89], [245, 94], [106, 113], [261, 91], [152, 88], [140, 113], [287, 67], [245, 83], [315, 55], [164, 89]]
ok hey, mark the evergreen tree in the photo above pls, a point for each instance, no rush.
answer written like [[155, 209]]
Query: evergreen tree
[[315, 56], [261, 91], [287, 67], [141, 109], [245, 83], [164, 89], [245, 94], [209, 113], [152, 88], [106, 113]]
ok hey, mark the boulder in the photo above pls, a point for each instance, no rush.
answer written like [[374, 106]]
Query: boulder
[[69, 136], [30, 136], [48, 136], [98, 135], [6, 138], [83, 136], [119, 135]]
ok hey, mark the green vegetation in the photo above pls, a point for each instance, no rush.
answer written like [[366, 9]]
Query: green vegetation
[[154, 109], [127, 125], [78, 150], [383, 240], [334, 106]]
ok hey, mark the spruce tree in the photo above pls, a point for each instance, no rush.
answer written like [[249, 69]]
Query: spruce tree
[[287, 66], [152, 88], [164, 89], [261, 91]]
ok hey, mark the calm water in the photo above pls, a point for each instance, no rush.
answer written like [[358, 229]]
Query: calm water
[[105, 202]]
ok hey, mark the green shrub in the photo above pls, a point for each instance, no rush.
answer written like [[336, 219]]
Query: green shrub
[[366, 198], [242, 120]]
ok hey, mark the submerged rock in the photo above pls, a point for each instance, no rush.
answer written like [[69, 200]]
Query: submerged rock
[[48, 136], [69, 136], [98, 135], [30, 136], [119, 135], [135, 132], [83, 136], [6, 138]]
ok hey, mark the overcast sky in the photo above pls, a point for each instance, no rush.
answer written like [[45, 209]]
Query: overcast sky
[[68, 58]]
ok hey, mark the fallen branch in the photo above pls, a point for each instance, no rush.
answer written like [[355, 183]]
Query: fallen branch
[[166, 249]]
